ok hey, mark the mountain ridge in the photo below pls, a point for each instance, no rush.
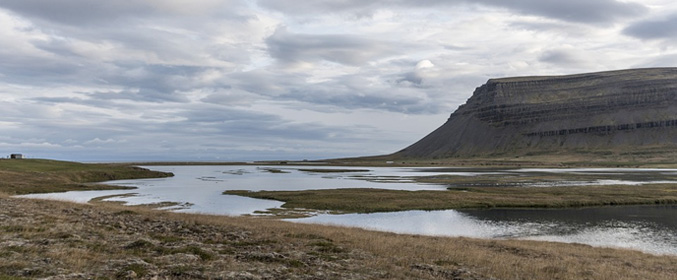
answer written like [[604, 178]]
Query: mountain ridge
[[621, 111]]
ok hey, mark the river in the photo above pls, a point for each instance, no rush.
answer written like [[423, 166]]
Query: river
[[198, 189]]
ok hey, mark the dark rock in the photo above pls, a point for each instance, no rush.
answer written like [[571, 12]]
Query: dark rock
[[607, 111]]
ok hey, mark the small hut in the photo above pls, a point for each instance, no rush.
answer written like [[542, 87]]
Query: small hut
[[16, 156]]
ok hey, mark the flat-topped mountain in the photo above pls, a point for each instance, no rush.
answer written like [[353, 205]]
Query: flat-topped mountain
[[621, 112]]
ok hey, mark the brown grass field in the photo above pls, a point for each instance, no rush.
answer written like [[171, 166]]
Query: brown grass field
[[72, 241], [61, 240]]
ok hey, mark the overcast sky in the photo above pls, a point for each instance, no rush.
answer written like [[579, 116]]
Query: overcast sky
[[126, 80]]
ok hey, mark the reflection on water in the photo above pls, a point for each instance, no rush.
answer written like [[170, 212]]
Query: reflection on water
[[651, 229], [646, 228], [198, 189]]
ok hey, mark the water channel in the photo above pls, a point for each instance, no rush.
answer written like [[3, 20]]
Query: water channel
[[198, 189]]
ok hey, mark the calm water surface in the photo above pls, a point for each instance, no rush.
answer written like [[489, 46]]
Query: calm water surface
[[651, 229], [198, 189]]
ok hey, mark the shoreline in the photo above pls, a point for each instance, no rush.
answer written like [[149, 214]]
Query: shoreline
[[91, 241]]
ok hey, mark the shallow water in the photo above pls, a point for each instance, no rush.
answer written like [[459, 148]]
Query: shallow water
[[198, 189], [651, 229]]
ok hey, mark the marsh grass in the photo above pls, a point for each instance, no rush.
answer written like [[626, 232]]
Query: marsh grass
[[40, 175], [380, 200]]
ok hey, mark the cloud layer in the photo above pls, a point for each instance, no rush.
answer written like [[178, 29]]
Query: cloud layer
[[238, 80], [585, 11]]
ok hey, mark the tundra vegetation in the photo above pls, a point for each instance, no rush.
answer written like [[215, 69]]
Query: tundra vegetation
[[26, 176], [62, 240], [380, 200]]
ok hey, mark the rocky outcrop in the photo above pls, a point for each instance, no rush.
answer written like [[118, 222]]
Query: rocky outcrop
[[608, 111]]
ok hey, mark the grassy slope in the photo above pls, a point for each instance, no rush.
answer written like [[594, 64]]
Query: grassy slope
[[41, 175], [646, 157]]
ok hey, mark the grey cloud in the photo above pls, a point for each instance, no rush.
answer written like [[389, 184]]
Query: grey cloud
[[653, 29], [37, 71], [265, 82], [322, 6], [411, 77], [456, 48], [81, 12], [57, 100], [159, 76], [573, 59], [560, 56], [209, 114], [585, 11], [231, 97], [387, 99], [352, 91], [550, 26], [77, 12], [50, 62], [154, 31], [345, 49], [224, 123], [57, 47], [158, 83], [143, 95], [152, 82], [222, 131], [61, 64]]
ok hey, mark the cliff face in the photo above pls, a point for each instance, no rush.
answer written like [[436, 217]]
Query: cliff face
[[608, 111]]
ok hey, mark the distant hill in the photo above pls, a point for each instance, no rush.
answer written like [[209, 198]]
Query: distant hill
[[622, 113]]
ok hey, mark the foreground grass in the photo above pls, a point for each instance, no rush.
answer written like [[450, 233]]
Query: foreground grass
[[380, 200], [70, 241], [40, 175]]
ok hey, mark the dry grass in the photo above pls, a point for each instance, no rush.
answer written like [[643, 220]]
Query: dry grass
[[109, 241], [501, 259]]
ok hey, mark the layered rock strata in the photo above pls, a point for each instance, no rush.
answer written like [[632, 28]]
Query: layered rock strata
[[626, 110]]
